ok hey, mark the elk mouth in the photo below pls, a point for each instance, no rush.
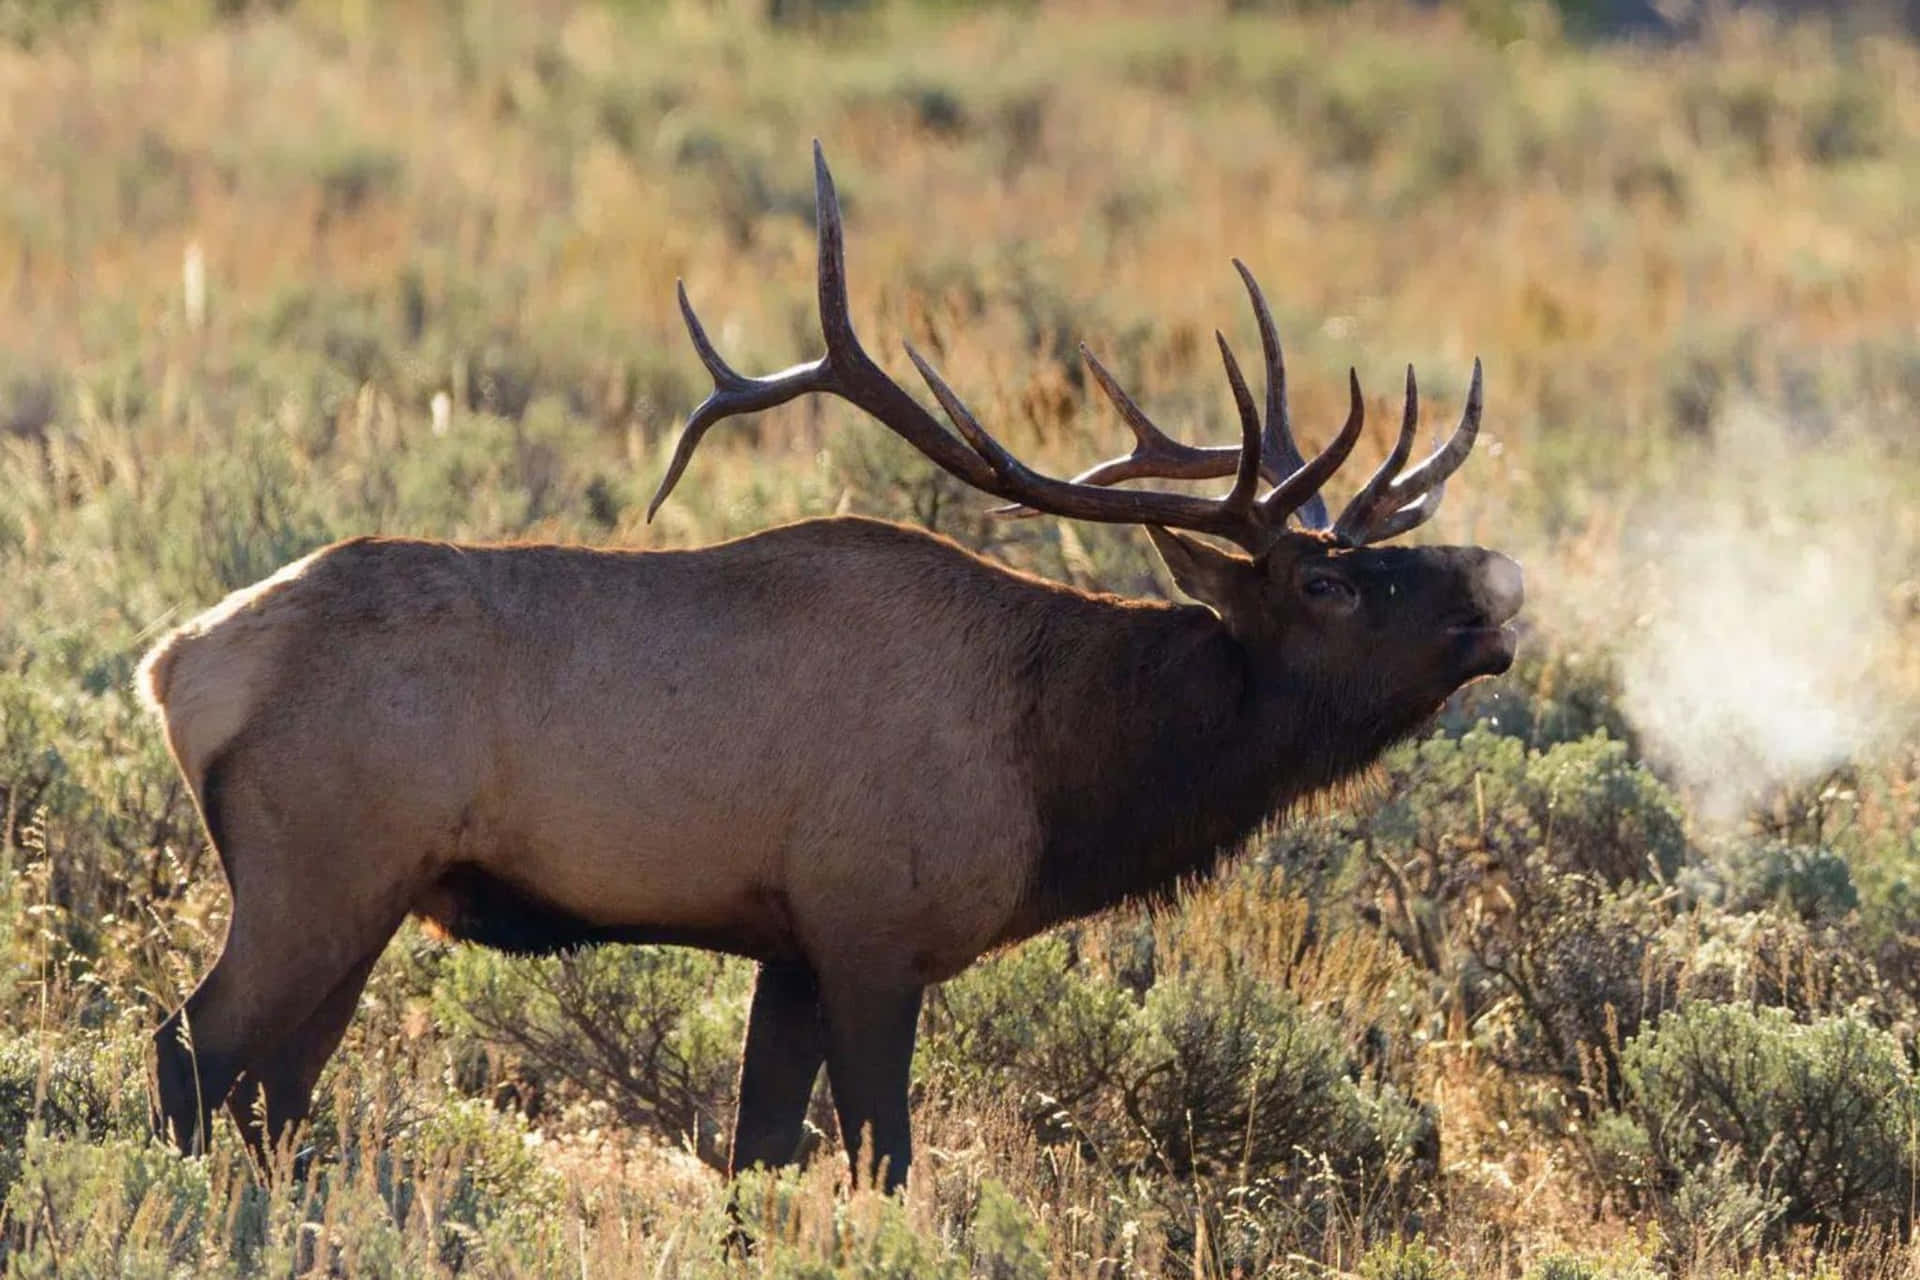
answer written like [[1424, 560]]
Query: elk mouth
[[1483, 644], [1484, 647]]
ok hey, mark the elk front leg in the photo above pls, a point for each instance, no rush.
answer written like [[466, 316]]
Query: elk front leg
[[870, 1034], [786, 1043]]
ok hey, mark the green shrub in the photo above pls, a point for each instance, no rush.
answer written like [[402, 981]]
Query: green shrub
[[1822, 1114], [26, 23], [1546, 699], [1406, 1260], [459, 1190], [1516, 873], [1004, 1240], [1719, 1213], [1240, 1081], [118, 1207], [1485, 802], [879, 1235], [1587, 965], [1583, 1266], [101, 829], [84, 1087], [1602, 813], [1591, 966], [1849, 120], [1621, 1158], [1209, 1069], [1772, 957], [653, 1031], [468, 1168], [1033, 1023], [1813, 882]]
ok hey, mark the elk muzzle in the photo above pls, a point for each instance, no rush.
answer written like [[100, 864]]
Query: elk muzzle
[[1495, 588]]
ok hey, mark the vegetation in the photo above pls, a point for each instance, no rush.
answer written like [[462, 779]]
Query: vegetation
[[1615, 974]]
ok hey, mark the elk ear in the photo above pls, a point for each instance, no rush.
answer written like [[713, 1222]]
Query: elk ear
[[1214, 578]]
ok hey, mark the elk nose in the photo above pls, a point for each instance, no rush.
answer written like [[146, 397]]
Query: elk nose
[[1498, 586]]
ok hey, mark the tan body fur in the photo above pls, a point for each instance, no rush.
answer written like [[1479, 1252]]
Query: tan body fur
[[580, 723]]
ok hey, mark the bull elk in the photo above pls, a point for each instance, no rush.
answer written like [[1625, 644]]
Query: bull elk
[[848, 750]]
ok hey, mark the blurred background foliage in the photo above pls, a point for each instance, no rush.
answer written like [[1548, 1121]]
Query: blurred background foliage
[[1613, 975]]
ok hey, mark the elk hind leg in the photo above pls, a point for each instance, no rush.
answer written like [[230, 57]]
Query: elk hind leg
[[275, 1094], [254, 1014], [188, 1081], [298, 931], [786, 1043], [870, 1035]]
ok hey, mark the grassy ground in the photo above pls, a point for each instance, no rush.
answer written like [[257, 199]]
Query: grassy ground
[[1615, 976]]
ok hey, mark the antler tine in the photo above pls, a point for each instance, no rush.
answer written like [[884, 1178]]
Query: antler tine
[[845, 370], [996, 454], [1016, 480], [1411, 516], [1410, 500], [733, 393], [836, 315], [1147, 437], [1353, 521], [857, 378], [1239, 499], [1446, 459], [1155, 453], [1280, 453], [1296, 489]]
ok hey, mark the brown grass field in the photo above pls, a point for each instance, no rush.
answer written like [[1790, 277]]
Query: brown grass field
[[1616, 975]]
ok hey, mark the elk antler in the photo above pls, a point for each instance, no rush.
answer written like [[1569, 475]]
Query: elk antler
[[1265, 449], [1157, 454], [1389, 503]]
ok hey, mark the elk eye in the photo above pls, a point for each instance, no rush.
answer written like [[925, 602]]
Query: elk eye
[[1324, 586]]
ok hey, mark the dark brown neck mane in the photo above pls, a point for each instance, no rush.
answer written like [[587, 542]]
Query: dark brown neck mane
[[1162, 745]]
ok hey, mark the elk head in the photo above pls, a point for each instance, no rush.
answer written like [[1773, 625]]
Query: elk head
[[1312, 594]]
